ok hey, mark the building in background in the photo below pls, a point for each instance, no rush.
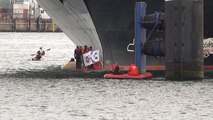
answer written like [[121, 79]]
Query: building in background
[[20, 10], [5, 9], [24, 15], [36, 11]]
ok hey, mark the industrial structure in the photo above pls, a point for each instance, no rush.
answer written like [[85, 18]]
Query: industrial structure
[[108, 25]]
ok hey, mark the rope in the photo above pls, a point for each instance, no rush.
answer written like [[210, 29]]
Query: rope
[[156, 23]]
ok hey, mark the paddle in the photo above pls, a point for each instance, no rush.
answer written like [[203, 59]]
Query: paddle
[[45, 51]]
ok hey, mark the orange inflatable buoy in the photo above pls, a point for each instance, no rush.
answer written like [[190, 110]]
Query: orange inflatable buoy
[[133, 70]]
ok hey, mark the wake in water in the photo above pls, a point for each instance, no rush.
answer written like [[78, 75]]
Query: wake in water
[[53, 72], [49, 72]]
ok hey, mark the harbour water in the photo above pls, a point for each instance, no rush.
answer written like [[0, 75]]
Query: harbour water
[[34, 90]]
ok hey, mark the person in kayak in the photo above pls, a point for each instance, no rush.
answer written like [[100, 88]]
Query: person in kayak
[[40, 53]]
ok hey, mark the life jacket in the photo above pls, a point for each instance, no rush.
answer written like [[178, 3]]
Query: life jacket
[[133, 70], [40, 52]]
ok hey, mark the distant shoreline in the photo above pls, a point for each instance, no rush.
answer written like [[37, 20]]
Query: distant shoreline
[[28, 25]]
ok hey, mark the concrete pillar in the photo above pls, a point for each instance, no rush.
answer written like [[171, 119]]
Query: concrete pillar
[[184, 39]]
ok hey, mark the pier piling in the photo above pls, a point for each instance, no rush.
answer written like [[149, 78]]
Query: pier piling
[[140, 35], [184, 39]]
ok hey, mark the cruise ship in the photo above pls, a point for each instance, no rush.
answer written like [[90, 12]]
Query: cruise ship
[[108, 25]]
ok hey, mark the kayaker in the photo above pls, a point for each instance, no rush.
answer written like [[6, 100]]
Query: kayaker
[[40, 53]]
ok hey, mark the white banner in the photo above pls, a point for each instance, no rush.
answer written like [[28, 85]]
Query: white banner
[[95, 56], [91, 57], [207, 47]]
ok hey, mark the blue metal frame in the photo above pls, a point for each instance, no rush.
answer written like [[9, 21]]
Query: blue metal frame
[[140, 35]]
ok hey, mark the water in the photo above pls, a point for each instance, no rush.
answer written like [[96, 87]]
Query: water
[[33, 90]]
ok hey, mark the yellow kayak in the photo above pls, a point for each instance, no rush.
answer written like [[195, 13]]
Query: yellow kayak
[[68, 66]]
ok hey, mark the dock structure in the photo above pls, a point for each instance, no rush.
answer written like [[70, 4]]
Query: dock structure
[[184, 39]]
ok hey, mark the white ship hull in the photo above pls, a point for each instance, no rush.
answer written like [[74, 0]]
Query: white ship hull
[[75, 21]]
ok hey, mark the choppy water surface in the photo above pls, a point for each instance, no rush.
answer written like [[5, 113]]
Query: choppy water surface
[[37, 91]]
